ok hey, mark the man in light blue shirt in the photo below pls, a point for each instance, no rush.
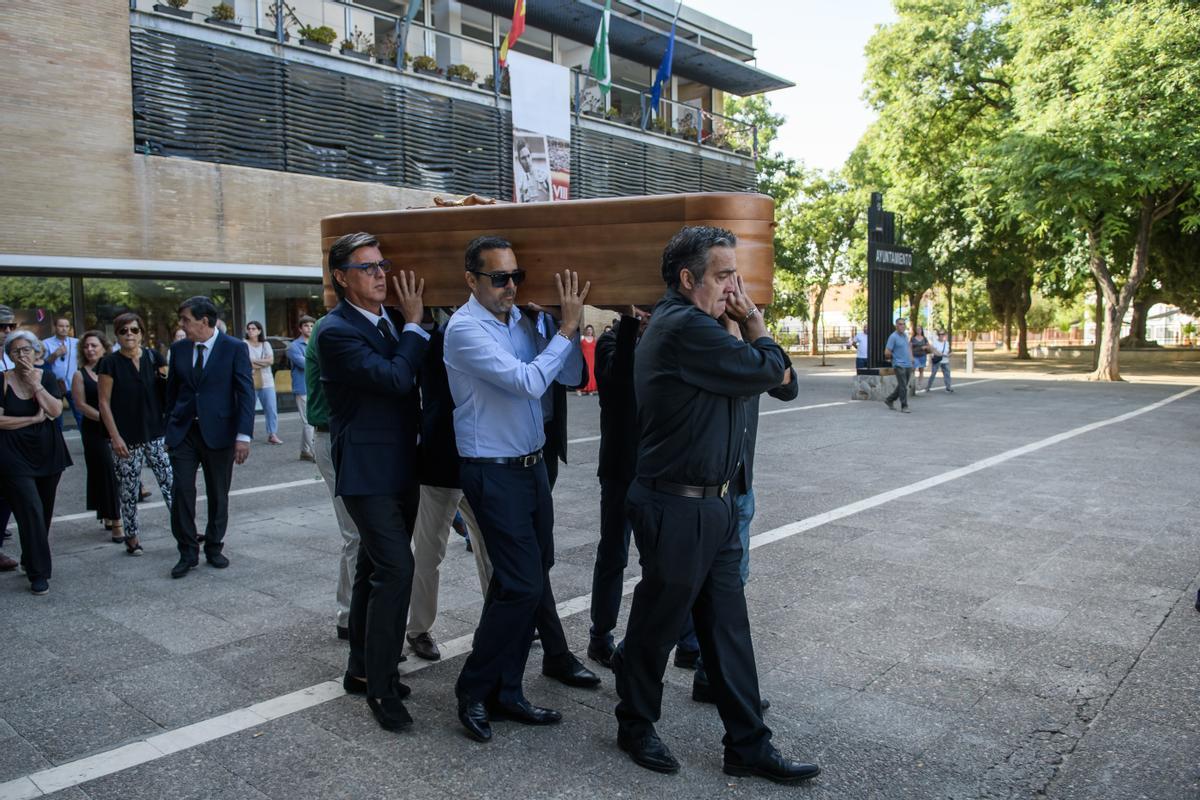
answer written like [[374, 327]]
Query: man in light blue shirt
[[296, 352], [62, 357], [499, 367], [898, 350]]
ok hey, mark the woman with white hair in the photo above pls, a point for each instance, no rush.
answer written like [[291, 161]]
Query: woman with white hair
[[34, 454]]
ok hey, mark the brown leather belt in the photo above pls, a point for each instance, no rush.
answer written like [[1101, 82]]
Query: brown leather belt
[[512, 461], [683, 490]]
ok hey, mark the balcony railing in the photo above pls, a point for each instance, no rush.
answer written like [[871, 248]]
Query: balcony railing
[[201, 93]]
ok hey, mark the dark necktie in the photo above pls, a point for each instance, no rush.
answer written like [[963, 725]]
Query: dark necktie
[[199, 369], [386, 330]]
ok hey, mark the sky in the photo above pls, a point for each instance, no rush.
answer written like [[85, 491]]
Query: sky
[[818, 45]]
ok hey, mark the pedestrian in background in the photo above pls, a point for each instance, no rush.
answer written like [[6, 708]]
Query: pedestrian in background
[[103, 489], [33, 454], [898, 351], [61, 356], [587, 344], [296, 356], [920, 352], [862, 341], [132, 413], [940, 360], [262, 357]]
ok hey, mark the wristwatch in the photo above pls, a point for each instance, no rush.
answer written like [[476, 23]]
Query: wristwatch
[[749, 314]]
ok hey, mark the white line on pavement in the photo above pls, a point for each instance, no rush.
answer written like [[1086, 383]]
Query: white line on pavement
[[98, 765]]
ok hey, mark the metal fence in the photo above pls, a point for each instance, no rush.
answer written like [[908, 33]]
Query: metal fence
[[199, 100]]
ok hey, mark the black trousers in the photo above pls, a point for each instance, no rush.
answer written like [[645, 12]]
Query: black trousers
[[382, 586], [516, 518], [612, 556], [192, 454], [690, 556], [32, 503]]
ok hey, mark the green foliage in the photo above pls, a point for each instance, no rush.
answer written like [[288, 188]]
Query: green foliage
[[461, 71], [790, 298], [224, 12], [972, 309], [359, 42], [322, 34], [858, 308], [426, 64], [177, 3]]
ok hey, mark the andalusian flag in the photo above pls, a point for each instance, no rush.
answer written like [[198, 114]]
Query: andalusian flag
[[601, 67], [514, 33]]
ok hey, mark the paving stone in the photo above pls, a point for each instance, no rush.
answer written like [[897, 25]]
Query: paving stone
[[74, 720]]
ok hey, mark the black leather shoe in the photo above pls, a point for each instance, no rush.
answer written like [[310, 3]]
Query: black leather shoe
[[686, 659], [474, 717], [601, 653], [343, 632], [702, 693], [390, 713], [1198, 599], [774, 767], [524, 712], [217, 560], [181, 568], [572, 673], [424, 647], [649, 751]]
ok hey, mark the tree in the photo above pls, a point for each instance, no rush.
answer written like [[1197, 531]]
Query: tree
[[1106, 139], [973, 310], [818, 227]]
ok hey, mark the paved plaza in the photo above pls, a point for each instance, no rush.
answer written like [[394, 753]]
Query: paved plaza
[[990, 597]]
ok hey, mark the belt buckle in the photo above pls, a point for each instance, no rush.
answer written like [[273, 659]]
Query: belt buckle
[[529, 460], [724, 488]]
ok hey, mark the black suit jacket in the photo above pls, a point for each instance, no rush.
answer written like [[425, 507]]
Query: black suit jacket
[[222, 399], [374, 405], [439, 447], [618, 402]]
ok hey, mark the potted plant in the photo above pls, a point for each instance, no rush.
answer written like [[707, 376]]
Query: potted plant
[[174, 8], [426, 65], [461, 73], [224, 15], [489, 83], [318, 38], [385, 52], [689, 132], [662, 125], [359, 46], [290, 20]]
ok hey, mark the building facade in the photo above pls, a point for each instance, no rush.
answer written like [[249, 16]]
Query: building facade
[[151, 153]]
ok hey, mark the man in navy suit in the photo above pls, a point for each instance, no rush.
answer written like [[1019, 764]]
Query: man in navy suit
[[369, 367], [210, 419]]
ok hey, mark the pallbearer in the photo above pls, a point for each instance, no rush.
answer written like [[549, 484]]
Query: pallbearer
[[692, 380]]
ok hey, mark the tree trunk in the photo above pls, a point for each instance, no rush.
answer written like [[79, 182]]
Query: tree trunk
[[1022, 326], [1137, 323], [1117, 303], [1008, 329], [813, 348], [1108, 349], [1099, 315], [914, 310], [950, 309]]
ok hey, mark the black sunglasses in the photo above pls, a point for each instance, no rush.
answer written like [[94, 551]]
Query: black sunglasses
[[371, 267], [129, 329], [500, 279], [8, 326]]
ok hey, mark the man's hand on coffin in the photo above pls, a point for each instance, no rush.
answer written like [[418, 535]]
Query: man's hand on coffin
[[409, 290], [571, 300]]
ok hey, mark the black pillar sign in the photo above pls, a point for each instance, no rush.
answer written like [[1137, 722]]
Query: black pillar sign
[[884, 257], [889, 257]]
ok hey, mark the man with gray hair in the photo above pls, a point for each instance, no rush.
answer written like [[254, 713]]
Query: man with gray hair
[[693, 381]]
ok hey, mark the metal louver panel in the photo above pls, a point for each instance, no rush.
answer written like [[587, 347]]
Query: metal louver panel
[[193, 99]]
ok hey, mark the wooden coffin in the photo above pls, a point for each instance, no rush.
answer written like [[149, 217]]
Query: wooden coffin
[[616, 243]]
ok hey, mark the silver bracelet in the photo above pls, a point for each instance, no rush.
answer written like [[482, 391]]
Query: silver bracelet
[[750, 314]]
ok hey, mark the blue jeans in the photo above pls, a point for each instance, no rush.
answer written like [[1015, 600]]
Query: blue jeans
[[944, 367], [861, 363], [266, 396]]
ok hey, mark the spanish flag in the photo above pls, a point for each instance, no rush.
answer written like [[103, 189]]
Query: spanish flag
[[514, 33]]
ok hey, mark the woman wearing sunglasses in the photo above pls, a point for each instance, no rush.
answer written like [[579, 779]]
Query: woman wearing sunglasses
[[132, 413], [33, 454], [262, 356], [102, 487]]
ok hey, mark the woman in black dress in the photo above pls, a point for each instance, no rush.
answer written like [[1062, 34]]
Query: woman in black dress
[[33, 454], [133, 416], [102, 487]]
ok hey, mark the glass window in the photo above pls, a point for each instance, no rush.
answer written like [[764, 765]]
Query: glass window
[[286, 303], [155, 299], [37, 301]]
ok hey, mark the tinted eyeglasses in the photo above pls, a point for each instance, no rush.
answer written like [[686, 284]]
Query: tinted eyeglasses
[[500, 279], [372, 268], [128, 329], [8, 326]]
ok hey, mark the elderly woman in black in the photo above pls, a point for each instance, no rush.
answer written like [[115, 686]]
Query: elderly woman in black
[[102, 487], [33, 454], [132, 414]]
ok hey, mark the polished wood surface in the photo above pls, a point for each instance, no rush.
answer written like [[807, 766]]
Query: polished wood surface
[[616, 243]]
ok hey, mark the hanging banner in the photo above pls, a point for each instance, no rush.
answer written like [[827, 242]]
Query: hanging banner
[[541, 112]]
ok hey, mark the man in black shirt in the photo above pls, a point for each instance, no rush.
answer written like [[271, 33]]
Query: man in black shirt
[[692, 380]]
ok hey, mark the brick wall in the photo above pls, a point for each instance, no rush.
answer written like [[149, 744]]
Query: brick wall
[[73, 185]]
